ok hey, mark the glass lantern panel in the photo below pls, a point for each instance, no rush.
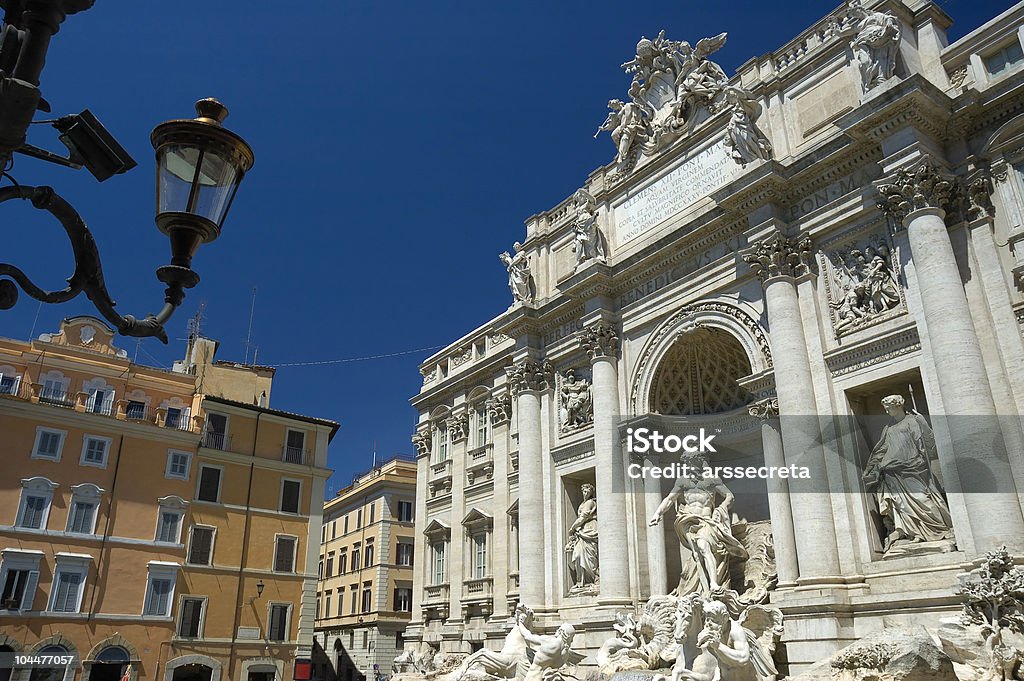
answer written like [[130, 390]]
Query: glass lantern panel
[[218, 180], [176, 169]]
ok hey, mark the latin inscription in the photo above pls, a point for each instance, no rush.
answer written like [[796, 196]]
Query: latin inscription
[[693, 180]]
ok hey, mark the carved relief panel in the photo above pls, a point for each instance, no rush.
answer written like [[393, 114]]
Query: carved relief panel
[[862, 283]]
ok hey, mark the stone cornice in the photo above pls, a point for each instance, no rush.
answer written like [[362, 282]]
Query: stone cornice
[[780, 256], [872, 351], [600, 340]]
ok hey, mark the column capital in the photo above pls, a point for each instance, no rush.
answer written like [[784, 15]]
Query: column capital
[[458, 426], [529, 374], [764, 409], [421, 441], [919, 186], [600, 340], [780, 256], [978, 198]]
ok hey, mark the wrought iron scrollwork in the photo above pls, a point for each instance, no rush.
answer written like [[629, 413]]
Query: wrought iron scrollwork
[[88, 274]]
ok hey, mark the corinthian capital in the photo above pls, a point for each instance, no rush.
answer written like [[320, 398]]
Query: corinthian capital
[[765, 409], [529, 374], [421, 440], [923, 185], [780, 256], [600, 340]]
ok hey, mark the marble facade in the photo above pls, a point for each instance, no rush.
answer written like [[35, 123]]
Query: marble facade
[[840, 221]]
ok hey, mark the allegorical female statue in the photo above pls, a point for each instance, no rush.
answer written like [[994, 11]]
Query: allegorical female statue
[[910, 499], [582, 544], [703, 526]]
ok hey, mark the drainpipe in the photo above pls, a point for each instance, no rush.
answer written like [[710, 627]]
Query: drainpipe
[[245, 555]]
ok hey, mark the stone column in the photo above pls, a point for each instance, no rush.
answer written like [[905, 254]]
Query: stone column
[[657, 569], [528, 379], [778, 261], [917, 198], [421, 562], [778, 492], [601, 341]]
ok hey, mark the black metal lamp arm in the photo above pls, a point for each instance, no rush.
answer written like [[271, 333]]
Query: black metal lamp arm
[[88, 275]]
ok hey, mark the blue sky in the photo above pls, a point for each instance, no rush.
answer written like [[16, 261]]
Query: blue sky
[[399, 148]]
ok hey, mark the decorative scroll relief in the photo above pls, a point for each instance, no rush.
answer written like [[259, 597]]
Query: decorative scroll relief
[[698, 176]]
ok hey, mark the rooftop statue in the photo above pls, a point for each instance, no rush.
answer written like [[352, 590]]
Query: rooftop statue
[[876, 44], [520, 280], [672, 81]]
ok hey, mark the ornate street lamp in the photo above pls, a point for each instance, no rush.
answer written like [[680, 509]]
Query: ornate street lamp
[[200, 165]]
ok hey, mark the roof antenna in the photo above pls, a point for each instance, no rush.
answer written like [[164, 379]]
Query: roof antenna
[[194, 326], [248, 338]]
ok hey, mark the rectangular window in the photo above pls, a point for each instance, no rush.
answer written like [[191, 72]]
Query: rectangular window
[[215, 436], [173, 418], [354, 599], [482, 430], [66, 592], [94, 451], [8, 384], [295, 446], [441, 443], [368, 553], [366, 600], [403, 599], [191, 617], [405, 552], [341, 600], [158, 597], [439, 564], [359, 519], [284, 554], [345, 529], [81, 519], [167, 531], [19, 589], [209, 484], [373, 510], [323, 534], [1004, 59], [200, 549], [405, 511], [355, 557], [135, 410], [48, 444], [327, 601], [479, 556], [290, 492], [330, 563], [342, 561], [178, 464], [277, 630], [334, 529], [33, 511], [366, 639]]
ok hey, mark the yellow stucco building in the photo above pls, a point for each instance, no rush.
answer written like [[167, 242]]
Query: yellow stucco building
[[155, 524], [364, 594]]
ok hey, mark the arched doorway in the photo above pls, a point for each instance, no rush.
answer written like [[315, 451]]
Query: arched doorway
[[52, 674], [192, 668], [5, 672], [697, 384], [109, 664], [193, 672]]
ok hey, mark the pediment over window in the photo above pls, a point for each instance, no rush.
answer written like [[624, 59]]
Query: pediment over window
[[477, 519], [436, 530], [172, 501]]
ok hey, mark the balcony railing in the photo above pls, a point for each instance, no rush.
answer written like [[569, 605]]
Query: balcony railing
[[214, 440], [137, 412], [56, 397], [435, 593], [293, 454]]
